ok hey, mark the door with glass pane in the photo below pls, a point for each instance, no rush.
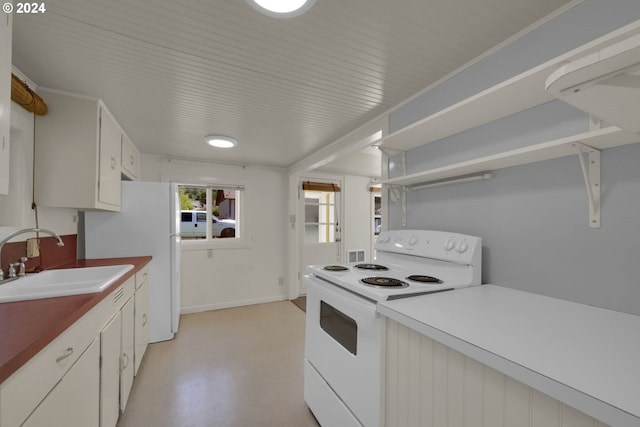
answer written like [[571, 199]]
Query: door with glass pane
[[320, 204]]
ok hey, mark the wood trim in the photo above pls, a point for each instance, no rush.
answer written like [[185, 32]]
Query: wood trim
[[375, 189], [27, 98], [320, 186]]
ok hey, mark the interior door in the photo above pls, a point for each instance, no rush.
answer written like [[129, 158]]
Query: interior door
[[320, 203]]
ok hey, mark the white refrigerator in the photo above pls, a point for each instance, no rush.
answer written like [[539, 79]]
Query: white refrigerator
[[148, 224]]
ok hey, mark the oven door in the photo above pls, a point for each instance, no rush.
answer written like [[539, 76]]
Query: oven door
[[344, 345]]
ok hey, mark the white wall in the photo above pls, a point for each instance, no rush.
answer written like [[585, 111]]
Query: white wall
[[217, 277], [15, 208], [357, 228]]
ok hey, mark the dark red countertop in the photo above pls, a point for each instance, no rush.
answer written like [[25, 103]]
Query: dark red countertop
[[26, 327]]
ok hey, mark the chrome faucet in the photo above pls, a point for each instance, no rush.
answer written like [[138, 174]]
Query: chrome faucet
[[23, 231]]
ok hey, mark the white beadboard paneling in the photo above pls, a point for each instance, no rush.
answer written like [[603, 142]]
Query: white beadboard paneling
[[413, 401], [517, 404], [426, 378], [172, 72], [456, 391], [546, 411], [440, 384], [391, 375], [494, 398], [473, 392]]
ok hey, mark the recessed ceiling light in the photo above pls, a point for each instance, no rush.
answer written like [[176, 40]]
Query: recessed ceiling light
[[220, 141], [282, 8]]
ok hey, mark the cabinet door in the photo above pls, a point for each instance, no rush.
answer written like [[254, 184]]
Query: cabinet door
[[130, 159], [127, 357], [142, 323], [5, 99], [109, 154], [110, 372], [74, 400]]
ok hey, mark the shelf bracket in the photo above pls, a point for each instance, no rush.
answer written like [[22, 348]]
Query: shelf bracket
[[591, 174]]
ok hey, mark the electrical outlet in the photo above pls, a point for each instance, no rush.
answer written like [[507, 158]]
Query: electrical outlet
[[209, 253], [280, 281]]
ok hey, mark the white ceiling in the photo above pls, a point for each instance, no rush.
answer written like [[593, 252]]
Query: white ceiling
[[174, 71]]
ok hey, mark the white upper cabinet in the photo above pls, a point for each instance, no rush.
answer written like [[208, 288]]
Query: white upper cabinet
[[5, 99], [78, 154], [109, 160], [130, 159]]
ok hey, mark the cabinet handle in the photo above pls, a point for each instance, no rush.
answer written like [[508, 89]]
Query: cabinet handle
[[68, 352], [144, 319], [113, 163], [124, 361]]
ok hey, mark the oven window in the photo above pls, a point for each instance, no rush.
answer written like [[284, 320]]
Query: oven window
[[341, 327]]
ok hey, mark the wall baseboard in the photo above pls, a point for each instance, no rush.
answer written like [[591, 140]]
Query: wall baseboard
[[232, 304]]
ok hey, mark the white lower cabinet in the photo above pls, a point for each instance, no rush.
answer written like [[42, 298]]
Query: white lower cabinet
[[83, 378], [117, 351], [141, 332], [73, 402], [127, 356], [110, 372]]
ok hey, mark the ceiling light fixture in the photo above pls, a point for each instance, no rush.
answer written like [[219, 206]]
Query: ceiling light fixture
[[220, 141], [281, 8]]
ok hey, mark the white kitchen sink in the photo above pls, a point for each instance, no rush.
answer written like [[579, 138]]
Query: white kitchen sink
[[63, 282]]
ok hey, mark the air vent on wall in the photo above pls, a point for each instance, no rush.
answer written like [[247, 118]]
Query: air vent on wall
[[355, 256]]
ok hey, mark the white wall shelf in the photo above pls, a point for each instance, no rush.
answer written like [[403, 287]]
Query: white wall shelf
[[554, 78], [516, 94], [588, 143], [600, 139], [606, 83]]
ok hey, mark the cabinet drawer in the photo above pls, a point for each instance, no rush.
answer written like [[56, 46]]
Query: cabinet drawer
[[121, 295], [142, 275], [25, 389]]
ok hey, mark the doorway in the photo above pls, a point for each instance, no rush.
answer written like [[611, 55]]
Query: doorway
[[319, 207]]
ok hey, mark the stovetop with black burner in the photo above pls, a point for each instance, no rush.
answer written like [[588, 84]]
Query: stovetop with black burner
[[384, 282], [369, 266]]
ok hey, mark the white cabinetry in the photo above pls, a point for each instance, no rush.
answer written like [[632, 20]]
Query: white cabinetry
[[130, 159], [127, 357], [141, 332], [116, 351], [78, 154], [109, 141], [28, 387], [74, 400], [83, 378], [5, 99], [110, 372]]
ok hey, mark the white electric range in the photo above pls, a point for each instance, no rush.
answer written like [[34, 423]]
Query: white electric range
[[344, 333]]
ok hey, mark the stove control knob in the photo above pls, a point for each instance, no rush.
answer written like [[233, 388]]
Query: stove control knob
[[413, 240], [449, 244], [462, 247]]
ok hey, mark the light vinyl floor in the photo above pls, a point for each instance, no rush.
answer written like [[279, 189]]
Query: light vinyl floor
[[234, 367]]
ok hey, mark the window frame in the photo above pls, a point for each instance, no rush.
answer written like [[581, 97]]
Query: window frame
[[209, 242]]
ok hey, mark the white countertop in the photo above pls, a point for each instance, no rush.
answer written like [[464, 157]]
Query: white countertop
[[584, 356]]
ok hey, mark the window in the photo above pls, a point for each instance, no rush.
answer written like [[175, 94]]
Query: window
[[209, 212], [320, 212]]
